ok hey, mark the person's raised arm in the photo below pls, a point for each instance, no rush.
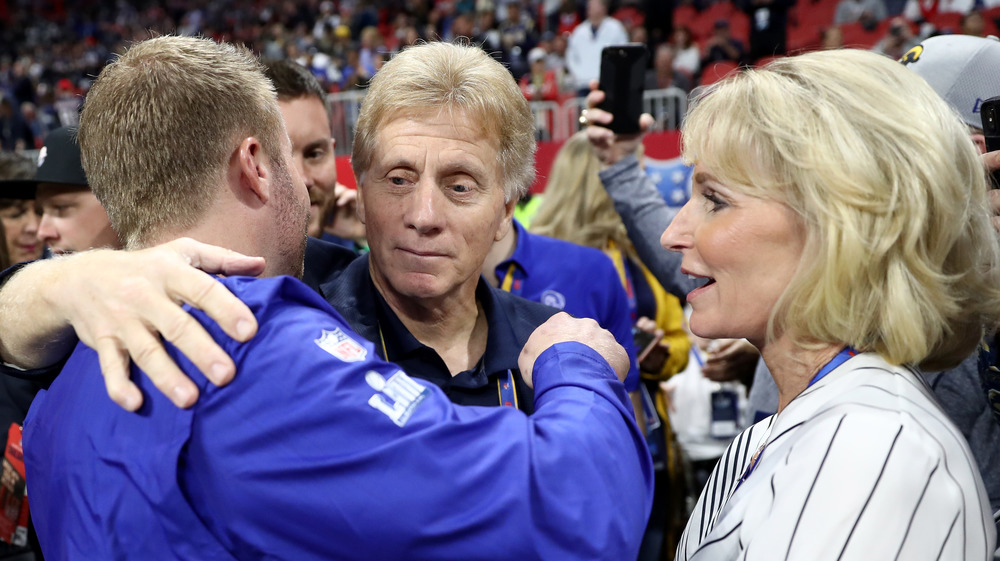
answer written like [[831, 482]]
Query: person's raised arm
[[340, 214], [642, 208], [120, 304]]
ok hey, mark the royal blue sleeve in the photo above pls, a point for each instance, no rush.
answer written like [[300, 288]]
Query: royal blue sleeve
[[320, 450]]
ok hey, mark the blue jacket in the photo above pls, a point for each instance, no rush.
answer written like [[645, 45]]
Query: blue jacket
[[320, 450], [581, 281]]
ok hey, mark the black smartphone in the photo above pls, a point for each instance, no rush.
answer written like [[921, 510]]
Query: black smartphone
[[989, 113], [644, 342], [623, 78]]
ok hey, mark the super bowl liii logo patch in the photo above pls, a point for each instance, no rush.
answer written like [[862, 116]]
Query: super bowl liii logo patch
[[398, 396], [341, 345]]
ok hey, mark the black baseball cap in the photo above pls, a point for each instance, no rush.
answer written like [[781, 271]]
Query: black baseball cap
[[59, 159]]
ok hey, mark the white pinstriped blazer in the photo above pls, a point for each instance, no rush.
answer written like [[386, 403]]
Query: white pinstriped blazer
[[862, 465]]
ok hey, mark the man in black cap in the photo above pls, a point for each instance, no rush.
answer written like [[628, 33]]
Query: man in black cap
[[722, 46], [72, 217]]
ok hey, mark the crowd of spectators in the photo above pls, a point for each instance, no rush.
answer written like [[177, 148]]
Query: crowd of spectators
[[50, 51]]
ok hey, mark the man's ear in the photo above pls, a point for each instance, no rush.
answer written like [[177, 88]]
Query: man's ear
[[505, 223], [360, 206], [254, 170]]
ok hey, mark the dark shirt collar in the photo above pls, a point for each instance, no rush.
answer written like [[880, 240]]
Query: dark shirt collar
[[502, 347], [523, 254]]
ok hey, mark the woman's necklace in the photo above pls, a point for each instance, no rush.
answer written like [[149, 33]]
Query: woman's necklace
[[841, 358]]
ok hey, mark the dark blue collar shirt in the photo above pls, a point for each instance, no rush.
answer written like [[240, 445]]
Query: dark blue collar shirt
[[510, 320], [581, 281]]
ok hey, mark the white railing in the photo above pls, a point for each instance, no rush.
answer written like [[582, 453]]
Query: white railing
[[667, 106], [344, 109]]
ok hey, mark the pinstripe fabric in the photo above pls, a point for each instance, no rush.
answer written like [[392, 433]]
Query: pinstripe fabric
[[862, 465]]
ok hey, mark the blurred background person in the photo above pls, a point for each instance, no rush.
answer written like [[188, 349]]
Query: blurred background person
[[973, 24], [15, 131], [540, 83], [17, 208], [831, 38], [866, 12], [687, 54], [583, 52], [897, 40], [18, 242], [663, 74], [72, 217], [304, 108], [576, 208], [768, 27], [722, 46]]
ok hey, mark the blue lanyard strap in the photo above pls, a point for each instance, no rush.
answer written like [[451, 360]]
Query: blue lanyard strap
[[841, 358], [506, 391]]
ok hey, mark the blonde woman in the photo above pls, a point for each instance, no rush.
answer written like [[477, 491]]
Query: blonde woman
[[838, 221]]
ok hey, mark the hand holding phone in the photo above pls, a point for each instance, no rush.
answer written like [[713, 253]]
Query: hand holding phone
[[623, 78], [989, 113], [645, 342]]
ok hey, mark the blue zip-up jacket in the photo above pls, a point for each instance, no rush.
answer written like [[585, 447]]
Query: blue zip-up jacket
[[320, 450]]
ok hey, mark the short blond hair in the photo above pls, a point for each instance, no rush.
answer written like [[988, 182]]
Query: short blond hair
[[160, 124], [452, 76], [900, 257]]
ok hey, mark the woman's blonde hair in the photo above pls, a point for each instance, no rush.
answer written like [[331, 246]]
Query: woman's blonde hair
[[900, 256], [576, 207], [430, 77]]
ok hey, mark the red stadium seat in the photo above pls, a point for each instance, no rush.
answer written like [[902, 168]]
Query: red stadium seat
[[816, 14], [685, 14], [739, 27], [858, 37], [717, 71], [718, 10], [947, 21], [802, 39]]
